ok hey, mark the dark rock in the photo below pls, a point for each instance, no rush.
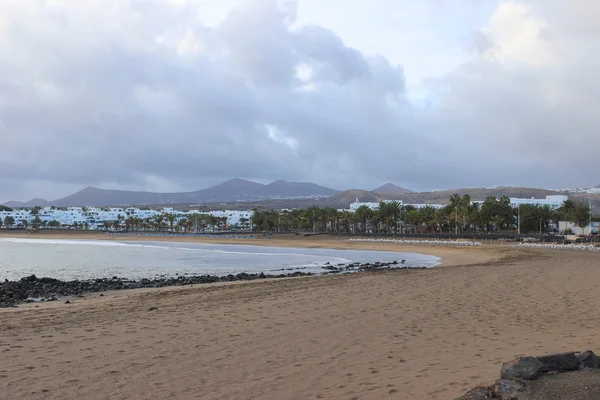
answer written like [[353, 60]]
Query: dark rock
[[588, 359], [507, 389], [68, 302], [153, 309], [31, 278], [527, 368], [480, 393], [559, 362], [49, 289]]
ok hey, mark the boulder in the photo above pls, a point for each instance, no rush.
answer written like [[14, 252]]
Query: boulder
[[559, 362], [507, 389], [480, 393], [588, 359], [527, 368]]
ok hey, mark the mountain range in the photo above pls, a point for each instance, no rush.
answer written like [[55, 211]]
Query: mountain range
[[283, 194], [230, 191]]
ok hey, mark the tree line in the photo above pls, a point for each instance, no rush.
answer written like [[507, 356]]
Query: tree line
[[458, 216]]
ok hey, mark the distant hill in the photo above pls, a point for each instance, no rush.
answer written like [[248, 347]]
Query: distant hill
[[28, 204], [234, 190], [296, 189], [345, 198], [281, 194], [390, 188]]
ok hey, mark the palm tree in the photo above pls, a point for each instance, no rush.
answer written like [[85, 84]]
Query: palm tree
[[547, 213], [183, 224], [427, 214], [363, 215], [9, 221], [566, 209]]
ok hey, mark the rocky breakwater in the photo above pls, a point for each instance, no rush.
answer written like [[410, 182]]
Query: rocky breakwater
[[364, 267], [32, 288], [573, 375]]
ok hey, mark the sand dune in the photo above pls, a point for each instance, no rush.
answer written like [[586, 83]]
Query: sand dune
[[427, 334]]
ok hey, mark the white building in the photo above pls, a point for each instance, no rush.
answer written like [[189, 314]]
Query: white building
[[95, 217], [18, 215], [436, 206], [554, 201], [564, 226], [373, 206]]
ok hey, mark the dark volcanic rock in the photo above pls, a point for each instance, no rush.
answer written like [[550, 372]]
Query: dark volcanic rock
[[49, 289], [559, 362], [527, 368], [506, 389], [480, 393], [588, 359]]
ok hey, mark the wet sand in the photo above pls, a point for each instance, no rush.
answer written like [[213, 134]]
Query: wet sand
[[426, 334]]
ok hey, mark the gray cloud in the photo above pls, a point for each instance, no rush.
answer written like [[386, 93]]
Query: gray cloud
[[141, 95]]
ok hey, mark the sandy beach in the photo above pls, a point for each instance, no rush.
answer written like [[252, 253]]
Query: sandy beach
[[424, 334]]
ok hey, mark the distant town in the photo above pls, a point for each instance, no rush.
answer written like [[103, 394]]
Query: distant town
[[553, 213]]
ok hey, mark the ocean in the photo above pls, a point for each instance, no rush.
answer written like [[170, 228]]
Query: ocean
[[89, 259]]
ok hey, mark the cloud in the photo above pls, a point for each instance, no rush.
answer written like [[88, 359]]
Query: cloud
[[175, 96]]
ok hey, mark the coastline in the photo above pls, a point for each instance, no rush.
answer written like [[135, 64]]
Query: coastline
[[449, 256], [40, 287], [431, 333]]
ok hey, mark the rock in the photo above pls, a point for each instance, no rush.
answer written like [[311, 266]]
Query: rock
[[588, 360], [507, 389], [153, 309], [527, 368], [559, 362], [480, 393], [68, 302], [31, 278]]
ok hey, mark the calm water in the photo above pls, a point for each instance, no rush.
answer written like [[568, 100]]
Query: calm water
[[82, 259]]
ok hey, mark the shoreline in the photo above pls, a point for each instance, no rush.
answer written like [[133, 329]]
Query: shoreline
[[433, 333], [46, 288], [449, 255], [32, 289]]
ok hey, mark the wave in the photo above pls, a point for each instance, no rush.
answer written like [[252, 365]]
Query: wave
[[110, 243], [63, 241]]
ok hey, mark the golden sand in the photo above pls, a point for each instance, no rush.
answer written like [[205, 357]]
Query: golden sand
[[426, 334]]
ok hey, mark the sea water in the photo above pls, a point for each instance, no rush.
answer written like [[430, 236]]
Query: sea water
[[89, 259]]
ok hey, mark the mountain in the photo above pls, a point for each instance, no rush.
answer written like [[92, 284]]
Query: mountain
[[345, 198], [92, 196], [390, 188], [296, 189], [233, 190], [28, 204]]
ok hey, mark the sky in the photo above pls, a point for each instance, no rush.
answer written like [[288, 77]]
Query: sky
[[177, 95]]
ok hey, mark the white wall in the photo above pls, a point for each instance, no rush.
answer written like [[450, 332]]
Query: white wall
[[564, 225]]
